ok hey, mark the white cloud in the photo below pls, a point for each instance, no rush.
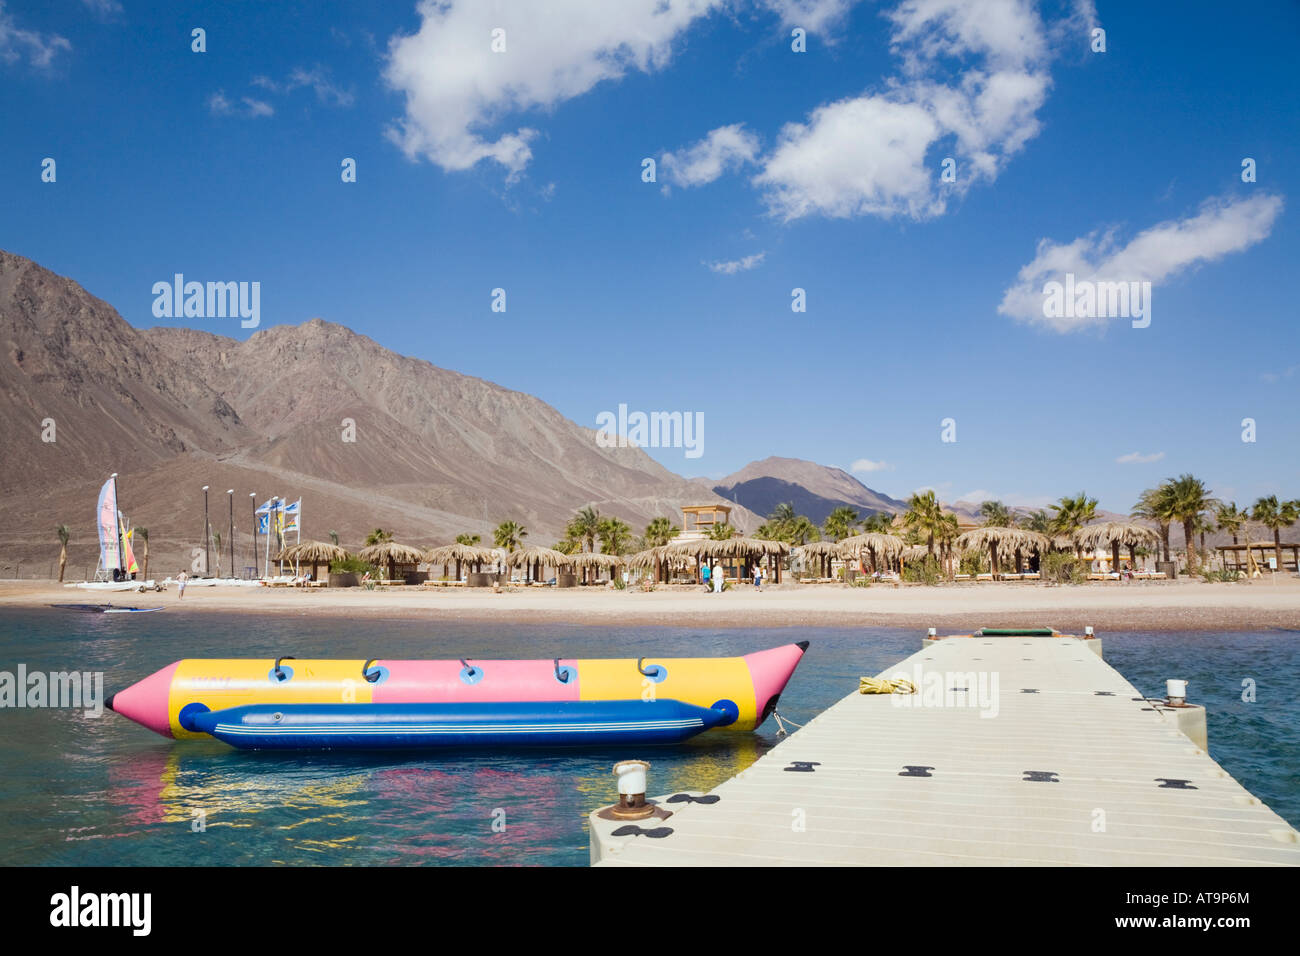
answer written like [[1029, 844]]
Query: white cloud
[[38, 48], [723, 149], [1222, 226], [731, 267], [880, 153], [865, 465], [459, 92], [316, 78], [813, 15], [220, 105], [103, 8], [1135, 458], [1272, 378]]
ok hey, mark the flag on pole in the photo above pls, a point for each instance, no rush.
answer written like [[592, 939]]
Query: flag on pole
[[291, 514], [263, 514]]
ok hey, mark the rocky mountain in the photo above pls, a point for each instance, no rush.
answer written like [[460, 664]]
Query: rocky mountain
[[365, 436], [815, 490]]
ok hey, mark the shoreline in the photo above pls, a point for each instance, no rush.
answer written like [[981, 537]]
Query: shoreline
[[1172, 606]]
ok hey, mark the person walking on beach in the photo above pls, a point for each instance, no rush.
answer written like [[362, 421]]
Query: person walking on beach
[[704, 573], [180, 584], [717, 578], [758, 577]]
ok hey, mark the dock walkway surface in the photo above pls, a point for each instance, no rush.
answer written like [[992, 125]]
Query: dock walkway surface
[[1048, 757]]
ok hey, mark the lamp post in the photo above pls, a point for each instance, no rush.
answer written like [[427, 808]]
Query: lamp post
[[207, 534], [230, 493], [253, 495]]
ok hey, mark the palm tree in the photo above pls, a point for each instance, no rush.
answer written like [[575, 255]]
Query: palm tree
[[1157, 505], [1072, 514], [509, 535], [997, 515], [659, 532], [1276, 515], [1190, 499], [947, 532], [783, 513], [615, 535], [839, 523], [467, 539], [721, 532], [584, 526], [881, 522], [1038, 521], [1230, 519], [378, 536], [924, 517], [143, 535], [64, 534], [802, 530], [1204, 525], [567, 546]]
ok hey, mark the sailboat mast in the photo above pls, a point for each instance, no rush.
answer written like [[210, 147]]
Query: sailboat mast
[[121, 555]]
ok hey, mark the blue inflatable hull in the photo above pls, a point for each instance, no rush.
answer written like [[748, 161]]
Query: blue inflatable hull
[[423, 726]]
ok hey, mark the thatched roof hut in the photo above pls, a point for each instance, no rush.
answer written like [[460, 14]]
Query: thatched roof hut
[[821, 552], [877, 545], [314, 553], [391, 553], [660, 560], [536, 557], [584, 561], [744, 549], [459, 554], [1003, 542], [1117, 534]]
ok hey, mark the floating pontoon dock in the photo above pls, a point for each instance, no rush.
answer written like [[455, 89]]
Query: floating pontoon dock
[[1017, 750]]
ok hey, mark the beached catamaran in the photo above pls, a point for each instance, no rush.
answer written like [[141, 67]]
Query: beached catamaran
[[117, 561], [287, 703]]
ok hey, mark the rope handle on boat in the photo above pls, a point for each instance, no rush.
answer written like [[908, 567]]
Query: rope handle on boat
[[781, 731], [561, 674], [365, 672], [470, 669], [279, 674]]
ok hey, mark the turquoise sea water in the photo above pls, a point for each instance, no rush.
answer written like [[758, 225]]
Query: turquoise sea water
[[79, 791]]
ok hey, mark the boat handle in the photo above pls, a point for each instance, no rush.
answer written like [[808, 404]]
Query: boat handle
[[470, 669], [279, 674], [644, 672], [560, 673], [365, 672]]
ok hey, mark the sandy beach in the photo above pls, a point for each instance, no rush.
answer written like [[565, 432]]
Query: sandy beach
[[1180, 606]]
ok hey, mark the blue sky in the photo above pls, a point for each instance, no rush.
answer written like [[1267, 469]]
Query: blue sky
[[818, 170]]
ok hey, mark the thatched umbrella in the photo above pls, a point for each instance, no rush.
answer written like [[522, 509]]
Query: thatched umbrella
[[1003, 541], [459, 554], [658, 559], [313, 553], [746, 549], [535, 558], [392, 554], [1114, 534], [597, 562], [878, 545], [824, 551]]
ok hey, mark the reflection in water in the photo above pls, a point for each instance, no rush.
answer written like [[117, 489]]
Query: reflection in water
[[81, 791]]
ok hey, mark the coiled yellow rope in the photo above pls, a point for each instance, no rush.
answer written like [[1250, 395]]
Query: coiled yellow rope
[[884, 685]]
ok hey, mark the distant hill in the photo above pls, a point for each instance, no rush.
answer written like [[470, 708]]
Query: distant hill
[[436, 453], [814, 490]]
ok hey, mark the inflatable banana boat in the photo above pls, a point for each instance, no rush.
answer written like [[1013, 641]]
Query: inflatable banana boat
[[351, 704]]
